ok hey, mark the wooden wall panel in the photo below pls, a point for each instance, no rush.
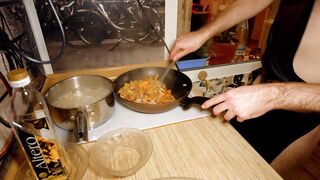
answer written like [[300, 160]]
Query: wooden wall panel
[[184, 16]]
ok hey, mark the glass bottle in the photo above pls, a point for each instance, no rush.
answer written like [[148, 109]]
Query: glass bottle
[[33, 128], [241, 34]]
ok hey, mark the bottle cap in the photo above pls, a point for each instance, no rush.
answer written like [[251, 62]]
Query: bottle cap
[[18, 78]]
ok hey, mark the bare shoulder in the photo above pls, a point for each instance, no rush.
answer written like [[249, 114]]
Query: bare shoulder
[[306, 62]]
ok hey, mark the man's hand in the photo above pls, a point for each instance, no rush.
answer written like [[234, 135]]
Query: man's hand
[[245, 102], [186, 44], [232, 15], [248, 102]]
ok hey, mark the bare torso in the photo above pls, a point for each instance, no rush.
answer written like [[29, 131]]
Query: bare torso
[[306, 63], [305, 151]]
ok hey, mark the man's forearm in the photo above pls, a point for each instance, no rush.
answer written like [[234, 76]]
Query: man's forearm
[[302, 97], [233, 14]]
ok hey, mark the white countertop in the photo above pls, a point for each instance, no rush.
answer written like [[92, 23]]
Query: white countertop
[[124, 117]]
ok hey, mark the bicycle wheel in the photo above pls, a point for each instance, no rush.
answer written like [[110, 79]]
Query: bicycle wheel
[[88, 26], [144, 27], [5, 88]]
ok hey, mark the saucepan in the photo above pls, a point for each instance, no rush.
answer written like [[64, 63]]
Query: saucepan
[[179, 84], [81, 103]]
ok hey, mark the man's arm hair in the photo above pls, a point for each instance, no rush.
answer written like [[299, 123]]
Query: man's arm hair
[[236, 12], [303, 97]]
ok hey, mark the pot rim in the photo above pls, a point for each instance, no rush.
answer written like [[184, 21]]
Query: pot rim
[[75, 77]]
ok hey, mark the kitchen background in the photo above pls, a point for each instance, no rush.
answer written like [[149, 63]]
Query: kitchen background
[[117, 36], [108, 33]]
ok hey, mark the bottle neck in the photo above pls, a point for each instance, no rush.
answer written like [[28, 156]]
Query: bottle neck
[[20, 83]]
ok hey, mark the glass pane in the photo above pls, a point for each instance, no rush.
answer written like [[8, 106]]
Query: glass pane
[[103, 33]]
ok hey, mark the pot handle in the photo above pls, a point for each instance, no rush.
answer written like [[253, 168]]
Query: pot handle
[[80, 128], [187, 102]]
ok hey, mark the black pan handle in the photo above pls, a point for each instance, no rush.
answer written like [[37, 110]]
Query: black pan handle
[[186, 102]]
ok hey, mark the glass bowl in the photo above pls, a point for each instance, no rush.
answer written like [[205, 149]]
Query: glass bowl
[[120, 152]]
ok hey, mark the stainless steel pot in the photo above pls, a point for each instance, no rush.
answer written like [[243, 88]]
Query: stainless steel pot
[[81, 103]]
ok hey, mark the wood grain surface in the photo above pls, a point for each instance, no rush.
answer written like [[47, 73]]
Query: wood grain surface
[[204, 148]]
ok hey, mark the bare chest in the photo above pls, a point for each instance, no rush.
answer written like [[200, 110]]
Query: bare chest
[[306, 62]]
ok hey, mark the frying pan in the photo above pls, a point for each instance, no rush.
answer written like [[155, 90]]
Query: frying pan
[[179, 84]]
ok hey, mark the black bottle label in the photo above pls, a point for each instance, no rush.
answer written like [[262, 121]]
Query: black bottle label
[[42, 153]]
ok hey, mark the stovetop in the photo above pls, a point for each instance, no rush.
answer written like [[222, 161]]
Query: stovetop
[[124, 117], [217, 76]]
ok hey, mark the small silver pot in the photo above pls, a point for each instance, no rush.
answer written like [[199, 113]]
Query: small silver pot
[[81, 103]]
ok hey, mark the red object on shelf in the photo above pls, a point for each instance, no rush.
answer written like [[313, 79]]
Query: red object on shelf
[[223, 53]]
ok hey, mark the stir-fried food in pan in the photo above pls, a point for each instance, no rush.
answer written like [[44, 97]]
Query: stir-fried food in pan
[[146, 91]]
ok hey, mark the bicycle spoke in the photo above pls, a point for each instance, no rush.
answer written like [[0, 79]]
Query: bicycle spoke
[[141, 30]]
